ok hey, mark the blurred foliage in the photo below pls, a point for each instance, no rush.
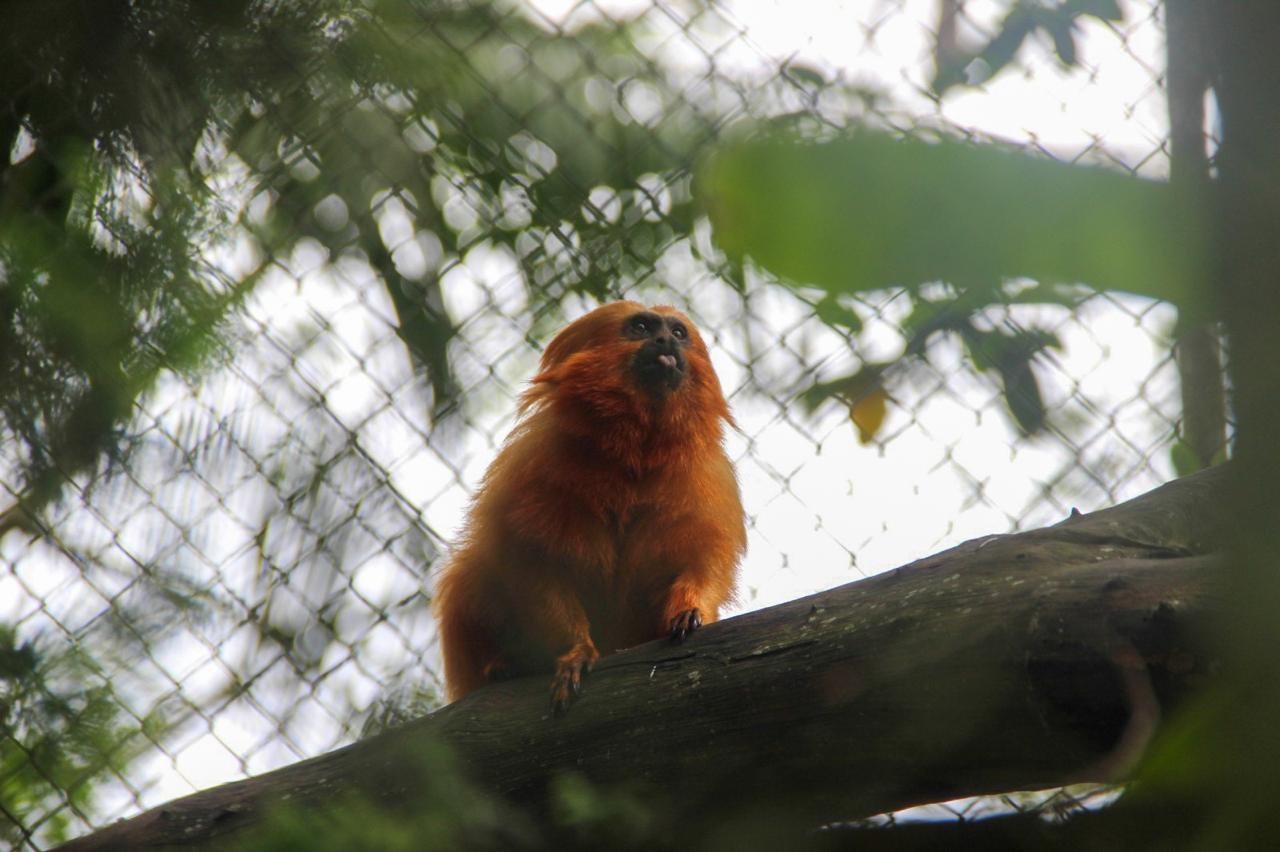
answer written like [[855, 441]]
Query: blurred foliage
[[103, 287], [397, 154], [1003, 228], [1007, 352], [1058, 20], [163, 159], [590, 816], [402, 702], [1217, 761], [1185, 461], [119, 117], [449, 811], [866, 211], [59, 734], [146, 143], [979, 218]]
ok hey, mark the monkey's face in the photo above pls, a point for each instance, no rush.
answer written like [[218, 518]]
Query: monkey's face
[[621, 358], [660, 364]]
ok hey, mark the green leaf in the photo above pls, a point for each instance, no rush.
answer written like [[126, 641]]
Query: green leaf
[[835, 314], [1106, 10], [1022, 395], [848, 388], [928, 318], [985, 348], [868, 413], [1184, 459], [1062, 31], [869, 211], [1021, 22], [805, 74], [1023, 19]]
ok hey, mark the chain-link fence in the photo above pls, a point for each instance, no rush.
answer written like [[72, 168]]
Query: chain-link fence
[[385, 210]]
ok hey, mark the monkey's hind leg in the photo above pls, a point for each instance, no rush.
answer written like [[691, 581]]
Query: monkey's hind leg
[[471, 653]]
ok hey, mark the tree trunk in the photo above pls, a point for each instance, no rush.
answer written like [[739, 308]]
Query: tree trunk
[[1010, 662], [1203, 431]]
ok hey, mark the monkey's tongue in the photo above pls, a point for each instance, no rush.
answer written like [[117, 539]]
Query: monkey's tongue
[[667, 361]]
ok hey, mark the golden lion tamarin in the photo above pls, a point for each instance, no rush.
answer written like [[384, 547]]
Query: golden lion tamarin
[[610, 517]]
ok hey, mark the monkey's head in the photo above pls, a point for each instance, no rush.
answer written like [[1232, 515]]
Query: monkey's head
[[624, 358], [660, 364]]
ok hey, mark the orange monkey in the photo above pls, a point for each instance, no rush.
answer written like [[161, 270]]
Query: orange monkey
[[610, 517]]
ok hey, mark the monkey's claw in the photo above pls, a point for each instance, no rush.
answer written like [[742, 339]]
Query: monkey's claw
[[571, 668], [684, 624]]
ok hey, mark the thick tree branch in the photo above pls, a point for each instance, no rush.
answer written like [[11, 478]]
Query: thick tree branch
[[1010, 662]]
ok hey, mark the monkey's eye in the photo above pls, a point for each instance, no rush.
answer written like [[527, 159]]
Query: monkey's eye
[[642, 325], [679, 332]]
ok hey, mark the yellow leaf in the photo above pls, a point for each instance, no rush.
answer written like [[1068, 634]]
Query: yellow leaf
[[867, 413]]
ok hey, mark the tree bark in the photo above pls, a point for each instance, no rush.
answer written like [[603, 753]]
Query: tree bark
[[1198, 349], [1010, 662]]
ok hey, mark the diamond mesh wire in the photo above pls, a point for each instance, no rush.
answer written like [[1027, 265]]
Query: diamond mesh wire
[[298, 493]]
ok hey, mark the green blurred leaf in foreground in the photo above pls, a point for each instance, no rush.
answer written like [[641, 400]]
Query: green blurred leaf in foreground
[[868, 211]]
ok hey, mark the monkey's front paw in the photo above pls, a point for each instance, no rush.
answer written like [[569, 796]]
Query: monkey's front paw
[[570, 669], [684, 624]]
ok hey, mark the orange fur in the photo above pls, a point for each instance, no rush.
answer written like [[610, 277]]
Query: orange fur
[[611, 512]]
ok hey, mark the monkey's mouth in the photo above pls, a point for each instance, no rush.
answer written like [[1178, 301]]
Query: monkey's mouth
[[658, 369]]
